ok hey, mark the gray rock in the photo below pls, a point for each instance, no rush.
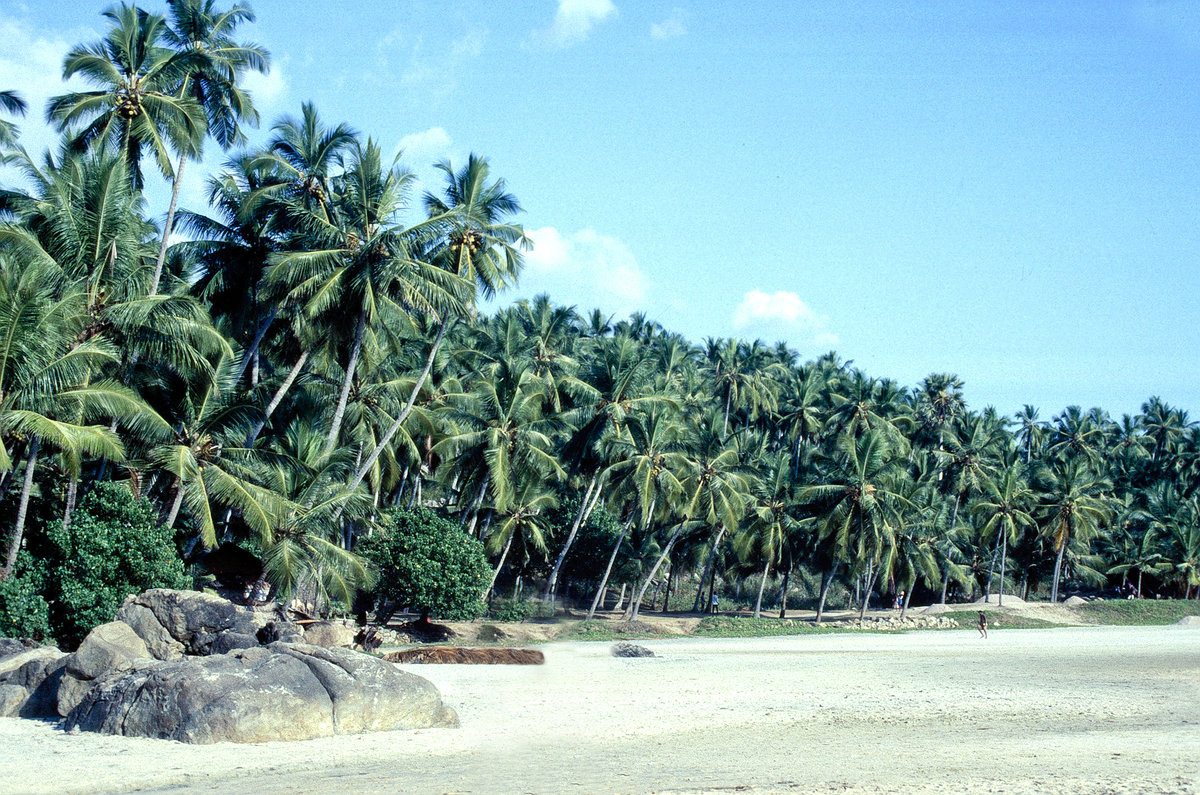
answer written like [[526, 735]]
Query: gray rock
[[11, 646], [331, 634], [107, 648], [631, 650], [194, 620], [281, 692], [29, 683], [1189, 621], [232, 641], [142, 620], [1075, 601]]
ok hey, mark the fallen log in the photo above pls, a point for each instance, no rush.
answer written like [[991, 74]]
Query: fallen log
[[447, 655]]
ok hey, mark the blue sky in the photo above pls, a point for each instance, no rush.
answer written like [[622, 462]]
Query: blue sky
[[1006, 191]]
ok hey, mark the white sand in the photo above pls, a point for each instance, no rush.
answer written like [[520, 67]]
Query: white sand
[[1090, 709]]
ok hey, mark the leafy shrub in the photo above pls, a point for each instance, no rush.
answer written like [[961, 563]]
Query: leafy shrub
[[519, 609], [24, 612], [427, 562], [113, 547]]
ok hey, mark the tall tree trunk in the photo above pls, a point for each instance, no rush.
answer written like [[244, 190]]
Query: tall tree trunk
[[1058, 571], [1139, 583], [825, 583], [552, 582], [69, 508], [499, 566], [297, 368], [636, 604], [339, 412], [868, 586], [783, 590], [14, 546], [1003, 561], [608, 569], [761, 586], [474, 508], [671, 578], [251, 354], [708, 566], [162, 248], [400, 418], [170, 522], [946, 573], [987, 594]]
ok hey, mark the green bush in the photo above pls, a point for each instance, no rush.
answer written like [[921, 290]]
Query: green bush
[[114, 547], [426, 562], [519, 609], [24, 612]]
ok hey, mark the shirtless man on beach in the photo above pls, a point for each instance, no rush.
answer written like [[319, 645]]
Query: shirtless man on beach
[[982, 624]]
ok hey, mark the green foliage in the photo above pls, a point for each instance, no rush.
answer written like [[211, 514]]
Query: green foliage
[[1139, 612], [748, 627], [518, 609], [24, 612], [426, 562], [113, 547]]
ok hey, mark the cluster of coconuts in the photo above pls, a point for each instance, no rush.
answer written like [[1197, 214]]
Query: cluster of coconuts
[[129, 104]]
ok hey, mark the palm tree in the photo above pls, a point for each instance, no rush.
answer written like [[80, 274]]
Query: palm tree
[[359, 262], [854, 500], [1004, 508], [1074, 508], [771, 523], [215, 63], [478, 245], [137, 105], [970, 460], [521, 518], [10, 102], [1030, 431]]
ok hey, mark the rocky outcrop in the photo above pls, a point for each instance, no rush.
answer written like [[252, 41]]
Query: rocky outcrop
[[197, 668], [332, 634], [29, 681], [1075, 601], [445, 655], [631, 650], [283, 691], [895, 623]]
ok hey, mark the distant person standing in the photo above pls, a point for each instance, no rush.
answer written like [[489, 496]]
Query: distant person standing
[[982, 624], [715, 600]]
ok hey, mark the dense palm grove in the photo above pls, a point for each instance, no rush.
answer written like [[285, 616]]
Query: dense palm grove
[[308, 360]]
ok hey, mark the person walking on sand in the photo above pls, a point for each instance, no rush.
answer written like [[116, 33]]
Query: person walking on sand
[[982, 624]]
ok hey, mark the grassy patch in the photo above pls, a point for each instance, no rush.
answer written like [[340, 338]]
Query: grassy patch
[[747, 627], [968, 619], [1139, 612]]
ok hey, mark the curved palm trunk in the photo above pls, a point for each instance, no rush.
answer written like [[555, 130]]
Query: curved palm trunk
[[499, 566], [403, 415], [14, 546], [351, 364], [69, 508], [636, 604], [987, 592], [608, 569], [252, 352], [783, 590], [474, 509], [162, 248], [709, 568], [580, 517], [1003, 561], [297, 368], [908, 597], [872, 575], [825, 584], [1058, 572], [946, 576], [761, 586], [170, 522]]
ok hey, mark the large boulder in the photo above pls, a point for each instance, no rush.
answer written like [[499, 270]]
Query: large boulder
[[107, 648], [1075, 601], [177, 623], [331, 634], [29, 682], [284, 691]]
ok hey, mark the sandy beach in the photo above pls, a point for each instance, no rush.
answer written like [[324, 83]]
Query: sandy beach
[[1086, 709]]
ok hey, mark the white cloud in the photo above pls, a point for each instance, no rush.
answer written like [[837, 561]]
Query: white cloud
[[269, 91], [429, 146], [585, 268], [783, 309], [573, 22], [31, 63], [671, 27]]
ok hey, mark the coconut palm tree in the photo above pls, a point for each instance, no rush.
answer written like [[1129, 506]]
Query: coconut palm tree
[[771, 523], [11, 102], [1074, 507], [136, 106], [1005, 508]]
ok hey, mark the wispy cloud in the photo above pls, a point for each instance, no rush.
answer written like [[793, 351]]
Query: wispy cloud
[[585, 268], [31, 63], [783, 311], [573, 22], [671, 27]]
